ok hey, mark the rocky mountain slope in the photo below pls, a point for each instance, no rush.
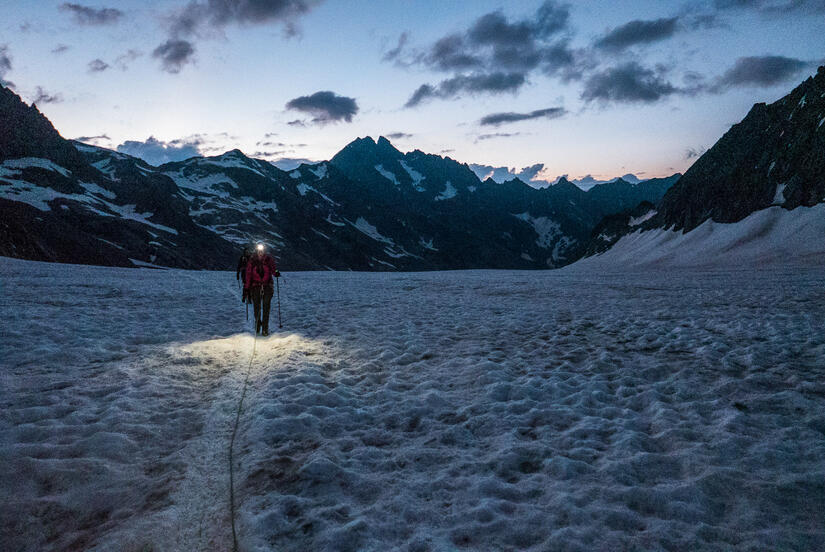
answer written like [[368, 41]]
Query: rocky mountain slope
[[775, 157], [371, 207]]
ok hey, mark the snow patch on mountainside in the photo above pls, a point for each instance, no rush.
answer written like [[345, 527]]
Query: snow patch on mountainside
[[449, 192], [428, 244], [386, 174], [636, 221], [416, 176], [366, 228], [779, 196], [772, 236], [33, 163], [546, 228], [304, 188], [209, 184], [319, 172], [231, 162], [95, 189]]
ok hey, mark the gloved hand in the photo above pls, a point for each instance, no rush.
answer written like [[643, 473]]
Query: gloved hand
[[277, 274]]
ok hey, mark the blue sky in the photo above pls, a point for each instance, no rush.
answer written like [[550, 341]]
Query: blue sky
[[564, 88]]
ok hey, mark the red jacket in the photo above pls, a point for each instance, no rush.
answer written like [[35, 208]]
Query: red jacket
[[259, 272]]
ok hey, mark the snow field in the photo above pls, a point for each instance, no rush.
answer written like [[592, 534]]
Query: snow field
[[475, 410], [770, 237]]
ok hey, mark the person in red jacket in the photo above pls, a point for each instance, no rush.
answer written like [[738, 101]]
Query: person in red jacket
[[259, 286]]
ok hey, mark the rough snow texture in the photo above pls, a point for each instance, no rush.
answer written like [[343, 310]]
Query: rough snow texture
[[483, 410], [773, 236]]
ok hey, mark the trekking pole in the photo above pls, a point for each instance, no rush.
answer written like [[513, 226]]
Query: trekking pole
[[278, 287]]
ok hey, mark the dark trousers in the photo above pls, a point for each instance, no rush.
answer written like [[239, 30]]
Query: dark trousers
[[262, 295]]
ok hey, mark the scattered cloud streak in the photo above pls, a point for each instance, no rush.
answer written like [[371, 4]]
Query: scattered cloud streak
[[93, 139], [123, 61], [760, 71], [42, 97], [629, 82], [60, 49], [496, 119], [773, 7], [497, 135], [472, 84], [325, 106], [97, 66], [84, 15], [638, 32], [5, 65]]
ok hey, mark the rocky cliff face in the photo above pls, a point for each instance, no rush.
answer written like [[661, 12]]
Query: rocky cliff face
[[775, 156]]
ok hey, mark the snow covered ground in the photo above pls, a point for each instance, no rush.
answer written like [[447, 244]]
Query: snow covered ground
[[481, 410], [770, 237]]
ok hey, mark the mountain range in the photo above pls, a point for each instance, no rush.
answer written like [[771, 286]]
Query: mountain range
[[371, 207]]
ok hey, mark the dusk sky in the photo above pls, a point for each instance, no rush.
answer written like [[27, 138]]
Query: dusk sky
[[601, 88]]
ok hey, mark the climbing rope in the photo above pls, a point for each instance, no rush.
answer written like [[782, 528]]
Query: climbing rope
[[232, 446]]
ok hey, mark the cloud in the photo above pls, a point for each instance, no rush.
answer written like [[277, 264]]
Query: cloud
[[692, 153], [398, 135], [760, 71], [93, 139], [220, 13], [529, 174], [5, 64], [291, 163], [496, 119], [60, 48], [773, 7], [157, 152], [628, 82], [42, 97], [297, 123], [174, 54], [97, 66], [638, 32], [493, 49], [124, 60], [473, 84], [497, 135], [85, 15], [197, 17], [325, 106], [395, 53]]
